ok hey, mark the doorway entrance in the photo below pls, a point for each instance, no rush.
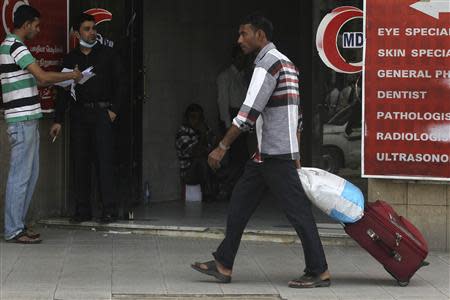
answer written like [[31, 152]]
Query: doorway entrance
[[186, 44]]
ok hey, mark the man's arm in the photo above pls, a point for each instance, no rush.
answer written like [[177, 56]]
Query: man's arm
[[298, 164], [261, 88], [299, 134], [61, 102], [118, 83], [217, 155], [46, 77], [25, 60], [230, 136]]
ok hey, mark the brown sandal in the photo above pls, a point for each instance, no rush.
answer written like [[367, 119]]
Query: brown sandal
[[31, 233], [23, 238], [309, 281]]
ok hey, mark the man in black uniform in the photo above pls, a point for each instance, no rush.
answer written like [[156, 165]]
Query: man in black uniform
[[93, 111]]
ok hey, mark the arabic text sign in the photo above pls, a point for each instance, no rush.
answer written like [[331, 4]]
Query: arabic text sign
[[50, 45]]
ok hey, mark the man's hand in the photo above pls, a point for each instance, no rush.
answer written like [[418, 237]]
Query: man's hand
[[215, 157], [55, 129], [77, 74], [112, 115], [298, 164]]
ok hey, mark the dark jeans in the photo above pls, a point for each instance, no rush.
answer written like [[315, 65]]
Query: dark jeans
[[92, 142], [281, 178]]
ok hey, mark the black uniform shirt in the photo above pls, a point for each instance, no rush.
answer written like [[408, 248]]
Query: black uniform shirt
[[105, 86]]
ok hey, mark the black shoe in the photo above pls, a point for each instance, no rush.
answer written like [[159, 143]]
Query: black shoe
[[108, 219], [80, 218]]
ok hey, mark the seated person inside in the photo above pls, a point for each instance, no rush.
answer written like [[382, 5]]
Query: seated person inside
[[194, 141]]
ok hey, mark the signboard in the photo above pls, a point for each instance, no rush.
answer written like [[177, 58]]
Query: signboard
[[50, 45], [327, 38], [407, 89]]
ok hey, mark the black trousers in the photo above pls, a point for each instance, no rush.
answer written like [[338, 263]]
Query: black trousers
[[281, 178], [92, 143]]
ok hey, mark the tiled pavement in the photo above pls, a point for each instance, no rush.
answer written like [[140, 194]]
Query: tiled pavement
[[79, 264]]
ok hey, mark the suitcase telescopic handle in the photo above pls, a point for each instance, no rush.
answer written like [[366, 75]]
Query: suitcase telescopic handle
[[374, 237]]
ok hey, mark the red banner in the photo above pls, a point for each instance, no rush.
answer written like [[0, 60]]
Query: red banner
[[407, 89], [50, 45]]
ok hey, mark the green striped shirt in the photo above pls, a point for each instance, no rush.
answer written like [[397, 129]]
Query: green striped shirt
[[19, 87]]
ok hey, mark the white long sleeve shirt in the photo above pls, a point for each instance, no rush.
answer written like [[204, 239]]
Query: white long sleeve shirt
[[232, 90]]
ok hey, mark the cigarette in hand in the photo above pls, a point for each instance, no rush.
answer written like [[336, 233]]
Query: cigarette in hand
[[54, 139]]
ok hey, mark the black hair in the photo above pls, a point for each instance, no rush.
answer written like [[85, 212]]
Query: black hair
[[83, 17], [259, 22], [23, 14], [193, 107]]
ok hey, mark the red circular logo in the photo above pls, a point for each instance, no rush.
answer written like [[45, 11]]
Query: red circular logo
[[327, 38], [8, 9]]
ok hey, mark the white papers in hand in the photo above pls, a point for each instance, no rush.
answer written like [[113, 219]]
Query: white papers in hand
[[66, 83], [72, 91], [87, 74]]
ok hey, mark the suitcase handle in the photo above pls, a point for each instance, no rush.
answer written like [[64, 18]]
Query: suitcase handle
[[374, 237]]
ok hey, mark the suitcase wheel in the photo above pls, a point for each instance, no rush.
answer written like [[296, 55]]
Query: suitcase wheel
[[403, 283], [399, 282], [424, 264]]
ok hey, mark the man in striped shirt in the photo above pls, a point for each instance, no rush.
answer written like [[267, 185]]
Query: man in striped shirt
[[20, 75], [272, 106]]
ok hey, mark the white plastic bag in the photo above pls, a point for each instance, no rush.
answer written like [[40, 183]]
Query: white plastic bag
[[332, 194], [193, 193]]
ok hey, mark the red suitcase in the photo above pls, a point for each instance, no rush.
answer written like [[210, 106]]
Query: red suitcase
[[391, 239]]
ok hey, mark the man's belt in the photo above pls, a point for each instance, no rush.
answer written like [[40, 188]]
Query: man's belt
[[96, 104]]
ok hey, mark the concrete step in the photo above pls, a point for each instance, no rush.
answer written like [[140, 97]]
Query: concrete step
[[331, 234], [196, 297]]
